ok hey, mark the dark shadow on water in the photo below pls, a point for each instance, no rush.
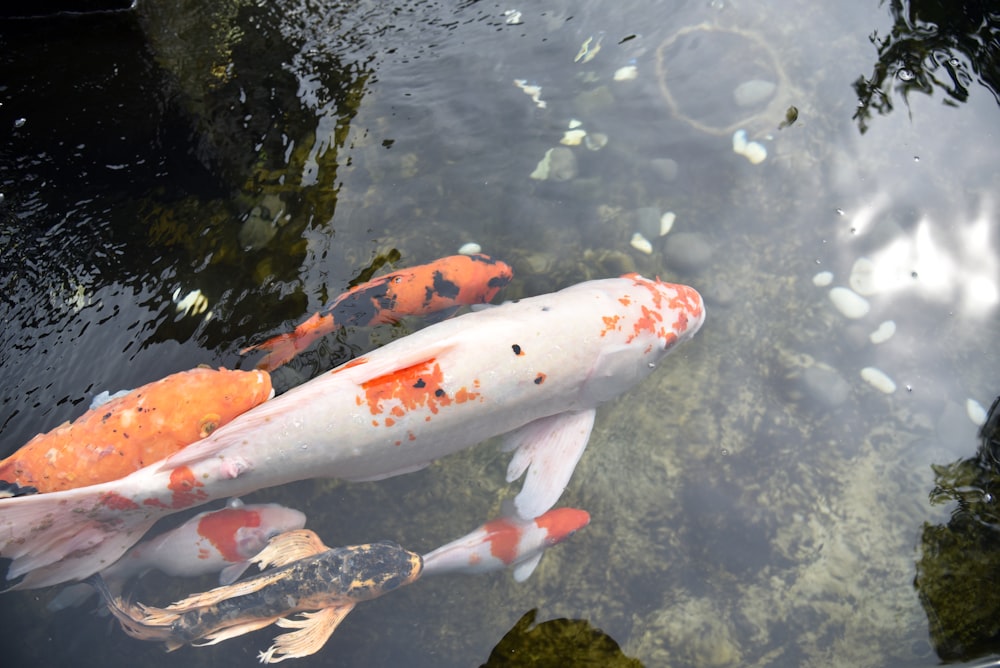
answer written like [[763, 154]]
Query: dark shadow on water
[[933, 46]]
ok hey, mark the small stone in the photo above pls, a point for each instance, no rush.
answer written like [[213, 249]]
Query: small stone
[[687, 251], [665, 167], [471, 248], [883, 333], [850, 304], [626, 73], [755, 91], [976, 412], [667, 222], [641, 244], [823, 279], [878, 379]]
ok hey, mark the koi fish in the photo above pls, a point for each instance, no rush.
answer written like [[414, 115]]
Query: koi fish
[[322, 583], [441, 286], [508, 541], [534, 370], [219, 541], [132, 431]]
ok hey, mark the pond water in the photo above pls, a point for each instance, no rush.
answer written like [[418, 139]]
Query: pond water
[[763, 499]]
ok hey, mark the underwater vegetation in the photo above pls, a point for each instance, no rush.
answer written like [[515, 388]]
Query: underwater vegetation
[[557, 643], [960, 562]]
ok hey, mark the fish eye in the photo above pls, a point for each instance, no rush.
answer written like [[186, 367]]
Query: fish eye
[[208, 424]]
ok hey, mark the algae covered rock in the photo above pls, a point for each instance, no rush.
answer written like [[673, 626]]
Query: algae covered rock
[[960, 561]]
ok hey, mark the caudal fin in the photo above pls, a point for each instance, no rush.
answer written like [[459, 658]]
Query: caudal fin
[[64, 536], [283, 347]]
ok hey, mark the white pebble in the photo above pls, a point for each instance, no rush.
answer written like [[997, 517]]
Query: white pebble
[[976, 412], [877, 379], [823, 279], [574, 124], [667, 222], [739, 142], [626, 73], [862, 278], [883, 333], [751, 150], [471, 248], [850, 304], [755, 153], [641, 244], [753, 92], [573, 137]]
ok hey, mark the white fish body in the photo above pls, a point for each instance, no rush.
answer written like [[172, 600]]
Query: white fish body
[[534, 369], [506, 542], [218, 541]]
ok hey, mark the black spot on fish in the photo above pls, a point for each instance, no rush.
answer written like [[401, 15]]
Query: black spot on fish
[[439, 392], [517, 350], [499, 281], [540, 378], [444, 287], [420, 384], [361, 308]]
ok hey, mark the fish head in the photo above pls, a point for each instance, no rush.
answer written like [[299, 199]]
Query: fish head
[[561, 523], [215, 397], [641, 321], [272, 519], [371, 570]]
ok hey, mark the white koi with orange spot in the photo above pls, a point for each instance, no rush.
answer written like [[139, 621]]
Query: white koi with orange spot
[[506, 542], [535, 369], [218, 541]]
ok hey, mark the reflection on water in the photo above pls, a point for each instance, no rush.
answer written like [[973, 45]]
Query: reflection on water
[[759, 501], [932, 46]]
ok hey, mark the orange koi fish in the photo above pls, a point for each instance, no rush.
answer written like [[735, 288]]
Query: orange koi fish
[[218, 541], [135, 430], [507, 541], [322, 583], [441, 286]]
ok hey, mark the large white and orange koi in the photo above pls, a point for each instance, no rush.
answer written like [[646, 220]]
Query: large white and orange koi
[[535, 370], [218, 541], [506, 542]]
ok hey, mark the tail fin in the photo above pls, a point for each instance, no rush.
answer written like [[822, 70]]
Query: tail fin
[[63, 536], [283, 347], [131, 616]]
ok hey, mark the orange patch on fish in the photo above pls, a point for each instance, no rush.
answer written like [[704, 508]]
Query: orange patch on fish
[[116, 501], [404, 390], [221, 529], [503, 538], [185, 488]]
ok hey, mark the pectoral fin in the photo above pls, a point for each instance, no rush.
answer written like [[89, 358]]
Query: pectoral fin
[[314, 629], [548, 449], [232, 572], [523, 570], [233, 631], [290, 546]]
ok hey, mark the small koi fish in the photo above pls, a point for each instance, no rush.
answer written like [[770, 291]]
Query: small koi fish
[[219, 541], [134, 430], [322, 583], [508, 541], [440, 286]]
